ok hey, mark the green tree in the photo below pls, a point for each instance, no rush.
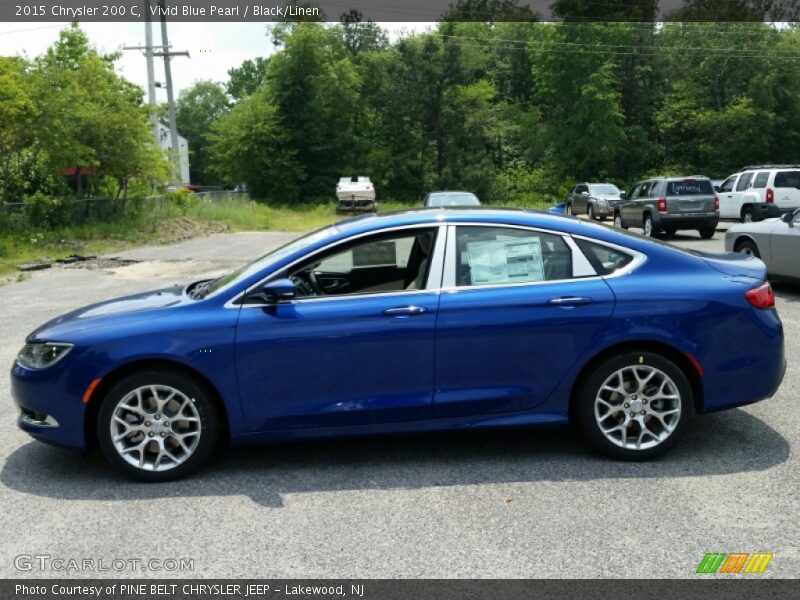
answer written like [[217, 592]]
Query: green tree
[[196, 109], [246, 78]]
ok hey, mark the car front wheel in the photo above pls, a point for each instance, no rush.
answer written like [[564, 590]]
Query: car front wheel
[[634, 406], [590, 213], [748, 247], [157, 425], [618, 221]]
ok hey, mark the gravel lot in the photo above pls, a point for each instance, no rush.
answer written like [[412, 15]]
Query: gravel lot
[[508, 504]]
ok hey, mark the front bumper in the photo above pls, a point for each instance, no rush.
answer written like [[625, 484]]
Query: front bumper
[[50, 404]]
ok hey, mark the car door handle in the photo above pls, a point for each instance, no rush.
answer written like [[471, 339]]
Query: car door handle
[[401, 311], [569, 301]]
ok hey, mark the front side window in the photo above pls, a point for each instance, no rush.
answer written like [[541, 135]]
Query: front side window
[[744, 181], [389, 262], [727, 185], [500, 255]]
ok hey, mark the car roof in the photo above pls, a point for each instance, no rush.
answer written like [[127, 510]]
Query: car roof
[[451, 192]]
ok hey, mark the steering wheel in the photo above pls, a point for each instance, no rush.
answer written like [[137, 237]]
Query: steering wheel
[[314, 284], [302, 287]]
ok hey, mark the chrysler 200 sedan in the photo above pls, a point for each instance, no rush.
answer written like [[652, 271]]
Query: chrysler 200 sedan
[[424, 320]]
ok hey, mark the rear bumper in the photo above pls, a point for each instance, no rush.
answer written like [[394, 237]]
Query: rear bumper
[[762, 210], [705, 221]]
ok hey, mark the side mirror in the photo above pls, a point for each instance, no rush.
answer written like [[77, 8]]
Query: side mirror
[[716, 188], [623, 196], [273, 292], [788, 218], [584, 193]]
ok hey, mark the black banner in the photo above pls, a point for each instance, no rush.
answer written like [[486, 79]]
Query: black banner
[[398, 10], [384, 589]]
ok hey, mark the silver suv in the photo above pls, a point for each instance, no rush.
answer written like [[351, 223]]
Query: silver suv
[[597, 200], [759, 192], [670, 203]]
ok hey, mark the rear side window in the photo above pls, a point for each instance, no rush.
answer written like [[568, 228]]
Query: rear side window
[[691, 187], [761, 180], [744, 181], [787, 179], [605, 260], [499, 255]]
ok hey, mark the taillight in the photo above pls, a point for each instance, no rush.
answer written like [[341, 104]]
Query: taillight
[[770, 196], [761, 297], [661, 205], [716, 202]]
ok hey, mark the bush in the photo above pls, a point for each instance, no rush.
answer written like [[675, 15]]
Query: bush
[[524, 186], [182, 198], [46, 212]]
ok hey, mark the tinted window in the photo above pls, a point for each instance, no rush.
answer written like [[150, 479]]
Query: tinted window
[[498, 255], [655, 188], [689, 187], [605, 260], [635, 192], [744, 181], [761, 180], [727, 185], [787, 179]]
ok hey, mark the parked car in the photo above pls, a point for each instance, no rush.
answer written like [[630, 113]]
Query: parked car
[[438, 199], [760, 192], [668, 204], [775, 241], [346, 331], [597, 200]]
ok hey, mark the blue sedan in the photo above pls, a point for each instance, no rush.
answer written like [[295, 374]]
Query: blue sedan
[[416, 321]]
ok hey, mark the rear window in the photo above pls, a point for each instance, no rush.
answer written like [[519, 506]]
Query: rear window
[[787, 179], [689, 187]]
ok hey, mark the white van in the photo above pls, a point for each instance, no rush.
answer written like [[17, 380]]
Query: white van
[[759, 192]]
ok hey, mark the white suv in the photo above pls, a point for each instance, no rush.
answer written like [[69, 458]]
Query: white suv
[[755, 193]]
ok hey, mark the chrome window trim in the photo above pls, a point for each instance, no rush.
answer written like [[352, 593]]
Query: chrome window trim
[[433, 270], [449, 279]]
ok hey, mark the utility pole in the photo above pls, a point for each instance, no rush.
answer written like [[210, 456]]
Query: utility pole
[[150, 53], [173, 125]]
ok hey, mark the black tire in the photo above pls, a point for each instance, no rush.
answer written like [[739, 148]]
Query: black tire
[[707, 233], [618, 222], [669, 231], [590, 213], [651, 230], [748, 247], [568, 209], [587, 422], [748, 216], [202, 404]]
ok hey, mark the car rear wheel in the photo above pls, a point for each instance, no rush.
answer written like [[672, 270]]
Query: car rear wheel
[[158, 425], [707, 233], [747, 214], [647, 226], [748, 247], [618, 221], [634, 406]]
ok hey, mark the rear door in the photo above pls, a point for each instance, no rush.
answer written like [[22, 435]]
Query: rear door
[[518, 307], [787, 189], [689, 197]]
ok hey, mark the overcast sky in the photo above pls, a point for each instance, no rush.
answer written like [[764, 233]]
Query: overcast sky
[[214, 47]]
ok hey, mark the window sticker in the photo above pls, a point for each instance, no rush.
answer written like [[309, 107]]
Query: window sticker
[[506, 261]]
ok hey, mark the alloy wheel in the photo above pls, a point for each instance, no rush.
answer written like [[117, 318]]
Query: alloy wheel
[[638, 407], [155, 428]]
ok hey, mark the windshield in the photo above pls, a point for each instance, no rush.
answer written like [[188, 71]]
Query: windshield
[[604, 189], [453, 199], [257, 265]]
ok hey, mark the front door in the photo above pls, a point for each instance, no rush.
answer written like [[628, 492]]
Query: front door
[[355, 347]]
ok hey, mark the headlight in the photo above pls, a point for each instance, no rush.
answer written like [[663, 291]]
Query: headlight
[[41, 356], [602, 202]]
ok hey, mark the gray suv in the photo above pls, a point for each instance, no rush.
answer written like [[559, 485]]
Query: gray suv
[[597, 200], [670, 203]]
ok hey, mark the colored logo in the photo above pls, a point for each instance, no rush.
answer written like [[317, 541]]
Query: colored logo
[[735, 562]]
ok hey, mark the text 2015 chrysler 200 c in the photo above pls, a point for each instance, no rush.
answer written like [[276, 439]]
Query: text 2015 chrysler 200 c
[[430, 319]]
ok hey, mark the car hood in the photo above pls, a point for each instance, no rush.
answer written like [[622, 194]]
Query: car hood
[[759, 226], [736, 264], [136, 305]]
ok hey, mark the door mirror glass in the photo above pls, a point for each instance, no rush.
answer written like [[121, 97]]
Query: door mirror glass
[[273, 292]]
